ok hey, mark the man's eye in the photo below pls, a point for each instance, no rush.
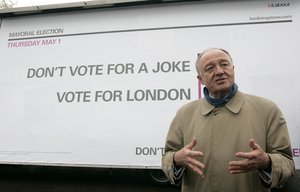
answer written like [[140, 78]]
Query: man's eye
[[224, 64], [209, 69]]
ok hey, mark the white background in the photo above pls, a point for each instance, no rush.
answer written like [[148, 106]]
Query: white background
[[37, 129]]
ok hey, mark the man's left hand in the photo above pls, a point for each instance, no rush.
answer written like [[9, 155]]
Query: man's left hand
[[256, 159]]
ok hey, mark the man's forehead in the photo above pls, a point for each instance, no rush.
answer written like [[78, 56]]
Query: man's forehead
[[214, 54]]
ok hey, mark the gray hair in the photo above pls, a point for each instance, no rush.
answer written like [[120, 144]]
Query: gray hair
[[199, 56]]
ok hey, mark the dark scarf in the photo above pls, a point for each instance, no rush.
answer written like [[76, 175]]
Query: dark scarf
[[220, 102]]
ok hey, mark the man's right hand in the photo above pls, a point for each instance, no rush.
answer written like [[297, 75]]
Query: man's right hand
[[188, 158]]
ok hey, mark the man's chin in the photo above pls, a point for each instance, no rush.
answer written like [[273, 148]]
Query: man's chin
[[223, 89], [223, 86]]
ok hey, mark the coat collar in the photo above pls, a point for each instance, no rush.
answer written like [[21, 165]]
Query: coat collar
[[234, 105]]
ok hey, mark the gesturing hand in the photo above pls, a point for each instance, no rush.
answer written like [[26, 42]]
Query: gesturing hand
[[256, 159], [187, 157]]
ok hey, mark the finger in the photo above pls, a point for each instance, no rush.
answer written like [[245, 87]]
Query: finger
[[237, 163], [238, 171], [195, 154], [192, 144], [253, 145], [198, 164], [235, 168], [245, 155], [197, 169], [195, 165], [249, 155], [242, 165]]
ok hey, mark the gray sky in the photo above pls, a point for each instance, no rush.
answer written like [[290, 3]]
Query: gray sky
[[25, 3]]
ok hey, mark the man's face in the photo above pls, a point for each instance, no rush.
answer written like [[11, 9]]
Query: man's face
[[216, 72]]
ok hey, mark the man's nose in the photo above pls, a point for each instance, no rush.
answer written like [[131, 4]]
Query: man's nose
[[219, 70]]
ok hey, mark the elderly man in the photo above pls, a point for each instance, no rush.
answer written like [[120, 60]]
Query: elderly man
[[228, 141]]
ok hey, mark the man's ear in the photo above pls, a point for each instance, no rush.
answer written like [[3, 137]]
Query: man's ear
[[200, 79]]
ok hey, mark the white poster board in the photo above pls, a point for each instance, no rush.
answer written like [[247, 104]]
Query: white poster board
[[100, 88]]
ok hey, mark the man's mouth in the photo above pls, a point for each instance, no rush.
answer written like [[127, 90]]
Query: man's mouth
[[221, 80]]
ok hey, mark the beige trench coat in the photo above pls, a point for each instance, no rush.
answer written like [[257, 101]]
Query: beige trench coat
[[220, 133]]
